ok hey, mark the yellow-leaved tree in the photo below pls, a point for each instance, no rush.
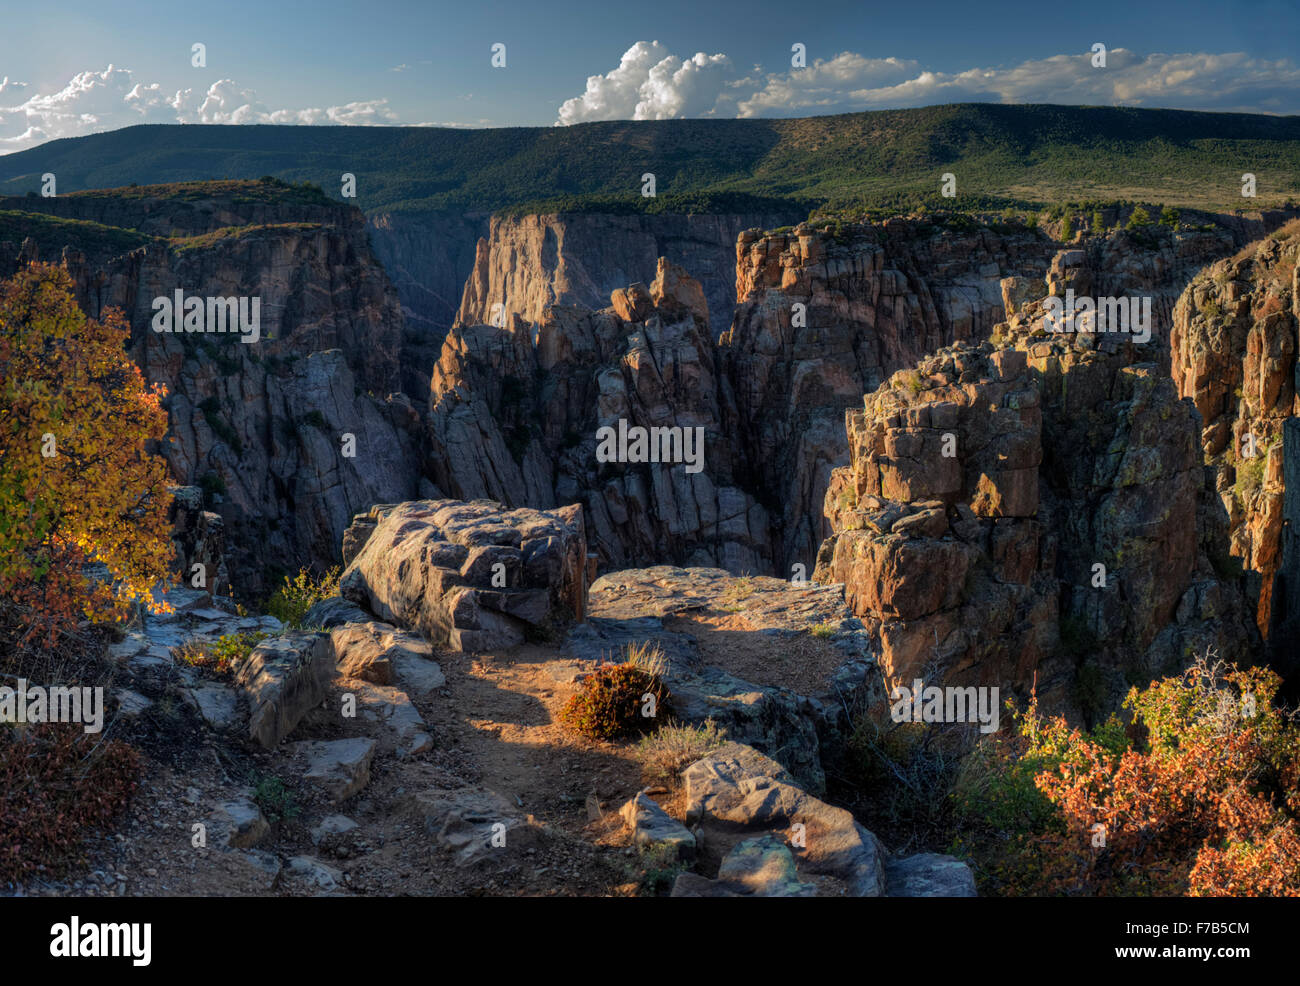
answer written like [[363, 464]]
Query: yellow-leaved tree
[[78, 482]]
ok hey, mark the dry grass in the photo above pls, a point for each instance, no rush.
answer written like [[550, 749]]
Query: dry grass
[[664, 753]]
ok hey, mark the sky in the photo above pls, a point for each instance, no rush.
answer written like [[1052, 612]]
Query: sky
[[80, 68]]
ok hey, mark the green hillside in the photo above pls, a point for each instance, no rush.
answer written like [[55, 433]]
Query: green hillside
[[1025, 156]]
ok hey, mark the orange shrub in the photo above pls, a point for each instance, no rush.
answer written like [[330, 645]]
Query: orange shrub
[[610, 701], [1204, 802]]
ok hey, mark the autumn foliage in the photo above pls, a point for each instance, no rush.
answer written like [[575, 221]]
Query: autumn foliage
[[57, 783], [1198, 796], [77, 480], [610, 702]]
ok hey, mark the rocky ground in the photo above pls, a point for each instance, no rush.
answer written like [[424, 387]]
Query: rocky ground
[[404, 796]]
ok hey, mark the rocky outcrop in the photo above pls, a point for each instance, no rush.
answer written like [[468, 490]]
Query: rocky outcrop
[[198, 542], [764, 836], [1034, 507], [284, 678], [651, 826], [530, 262], [262, 427], [518, 419], [826, 314], [1234, 348], [800, 727], [471, 576]]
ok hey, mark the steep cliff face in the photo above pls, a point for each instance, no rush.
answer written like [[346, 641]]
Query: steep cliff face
[[1033, 506], [516, 419], [529, 262], [428, 257], [262, 426], [826, 316], [1234, 355]]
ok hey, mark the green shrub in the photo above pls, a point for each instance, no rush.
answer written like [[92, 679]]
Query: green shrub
[[1250, 477], [1139, 218], [290, 602], [276, 801], [221, 655]]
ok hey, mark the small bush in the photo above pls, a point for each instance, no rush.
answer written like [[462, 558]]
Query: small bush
[[670, 749], [276, 801], [823, 631], [657, 869], [609, 701], [290, 602], [57, 784], [1250, 477], [221, 655], [647, 656]]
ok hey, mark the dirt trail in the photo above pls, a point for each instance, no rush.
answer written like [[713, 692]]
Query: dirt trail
[[494, 726]]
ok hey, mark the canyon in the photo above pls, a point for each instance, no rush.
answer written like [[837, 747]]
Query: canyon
[[766, 343], [896, 473]]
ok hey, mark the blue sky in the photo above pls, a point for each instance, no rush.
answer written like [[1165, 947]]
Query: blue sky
[[386, 62]]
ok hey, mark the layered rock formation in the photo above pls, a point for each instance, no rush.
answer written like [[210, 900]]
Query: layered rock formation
[[826, 315], [1234, 355], [515, 418], [470, 576], [529, 262], [1034, 506], [262, 427]]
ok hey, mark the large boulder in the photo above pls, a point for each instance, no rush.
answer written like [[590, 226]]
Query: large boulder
[[472, 576], [736, 793], [284, 678], [929, 874]]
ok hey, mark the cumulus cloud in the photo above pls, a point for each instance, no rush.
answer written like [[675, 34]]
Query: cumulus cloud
[[650, 83], [96, 101]]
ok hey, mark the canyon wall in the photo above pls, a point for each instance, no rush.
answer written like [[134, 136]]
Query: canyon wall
[[531, 261], [1234, 349], [1033, 511], [514, 414], [428, 257], [260, 427], [824, 314], [823, 317]]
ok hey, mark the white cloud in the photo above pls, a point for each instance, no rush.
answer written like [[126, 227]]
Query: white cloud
[[651, 83], [96, 101]]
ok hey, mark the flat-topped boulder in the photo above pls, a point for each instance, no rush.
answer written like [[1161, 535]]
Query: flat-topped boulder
[[473, 575]]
